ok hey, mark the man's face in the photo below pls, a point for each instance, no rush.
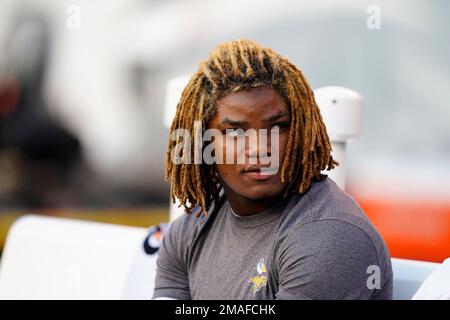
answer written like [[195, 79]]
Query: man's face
[[257, 108]]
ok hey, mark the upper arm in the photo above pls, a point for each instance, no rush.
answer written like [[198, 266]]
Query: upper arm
[[171, 274], [326, 259]]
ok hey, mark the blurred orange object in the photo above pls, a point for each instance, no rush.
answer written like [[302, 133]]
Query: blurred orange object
[[412, 229]]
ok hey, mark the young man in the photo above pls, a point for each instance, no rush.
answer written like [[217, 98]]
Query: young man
[[255, 230]]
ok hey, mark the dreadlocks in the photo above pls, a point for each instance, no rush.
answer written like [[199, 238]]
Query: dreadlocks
[[241, 65]]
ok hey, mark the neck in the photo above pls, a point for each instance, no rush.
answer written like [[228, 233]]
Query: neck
[[246, 207]]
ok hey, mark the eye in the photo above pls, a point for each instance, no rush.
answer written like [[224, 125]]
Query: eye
[[234, 133], [281, 125]]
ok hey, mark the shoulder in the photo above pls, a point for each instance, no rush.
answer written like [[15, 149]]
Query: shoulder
[[333, 259], [328, 226], [186, 226], [334, 237], [327, 208], [177, 241], [328, 200]]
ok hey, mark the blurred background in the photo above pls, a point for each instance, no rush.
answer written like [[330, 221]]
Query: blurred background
[[82, 88]]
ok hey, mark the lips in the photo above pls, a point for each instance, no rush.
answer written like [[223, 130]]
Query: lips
[[254, 168], [255, 172]]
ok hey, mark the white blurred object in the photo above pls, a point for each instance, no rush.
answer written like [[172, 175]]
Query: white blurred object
[[409, 276], [55, 258], [436, 285], [342, 113], [174, 90]]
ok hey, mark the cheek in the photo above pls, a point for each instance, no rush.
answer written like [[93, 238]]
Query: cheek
[[283, 142], [227, 170], [227, 174], [281, 147], [226, 150], [220, 146]]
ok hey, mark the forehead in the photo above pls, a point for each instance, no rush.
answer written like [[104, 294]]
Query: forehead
[[254, 103]]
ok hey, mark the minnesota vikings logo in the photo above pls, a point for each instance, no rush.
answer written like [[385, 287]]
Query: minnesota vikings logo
[[261, 279]]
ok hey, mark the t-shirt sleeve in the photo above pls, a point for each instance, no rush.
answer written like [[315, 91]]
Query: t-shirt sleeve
[[171, 273], [328, 259]]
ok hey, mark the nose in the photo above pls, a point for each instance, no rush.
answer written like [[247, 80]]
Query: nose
[[258, 146]]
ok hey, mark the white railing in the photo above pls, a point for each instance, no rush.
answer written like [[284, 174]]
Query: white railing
[[58, 258]]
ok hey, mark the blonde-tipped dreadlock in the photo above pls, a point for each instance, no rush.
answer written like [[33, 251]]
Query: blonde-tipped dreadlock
[[239, 65]]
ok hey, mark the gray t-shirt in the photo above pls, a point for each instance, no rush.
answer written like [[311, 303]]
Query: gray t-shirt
[[318, 245]]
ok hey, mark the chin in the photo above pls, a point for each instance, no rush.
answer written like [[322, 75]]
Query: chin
[[260, 193]]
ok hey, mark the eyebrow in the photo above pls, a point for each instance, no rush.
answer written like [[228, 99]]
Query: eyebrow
[[241, 123], [276, 117], [233, 122]]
